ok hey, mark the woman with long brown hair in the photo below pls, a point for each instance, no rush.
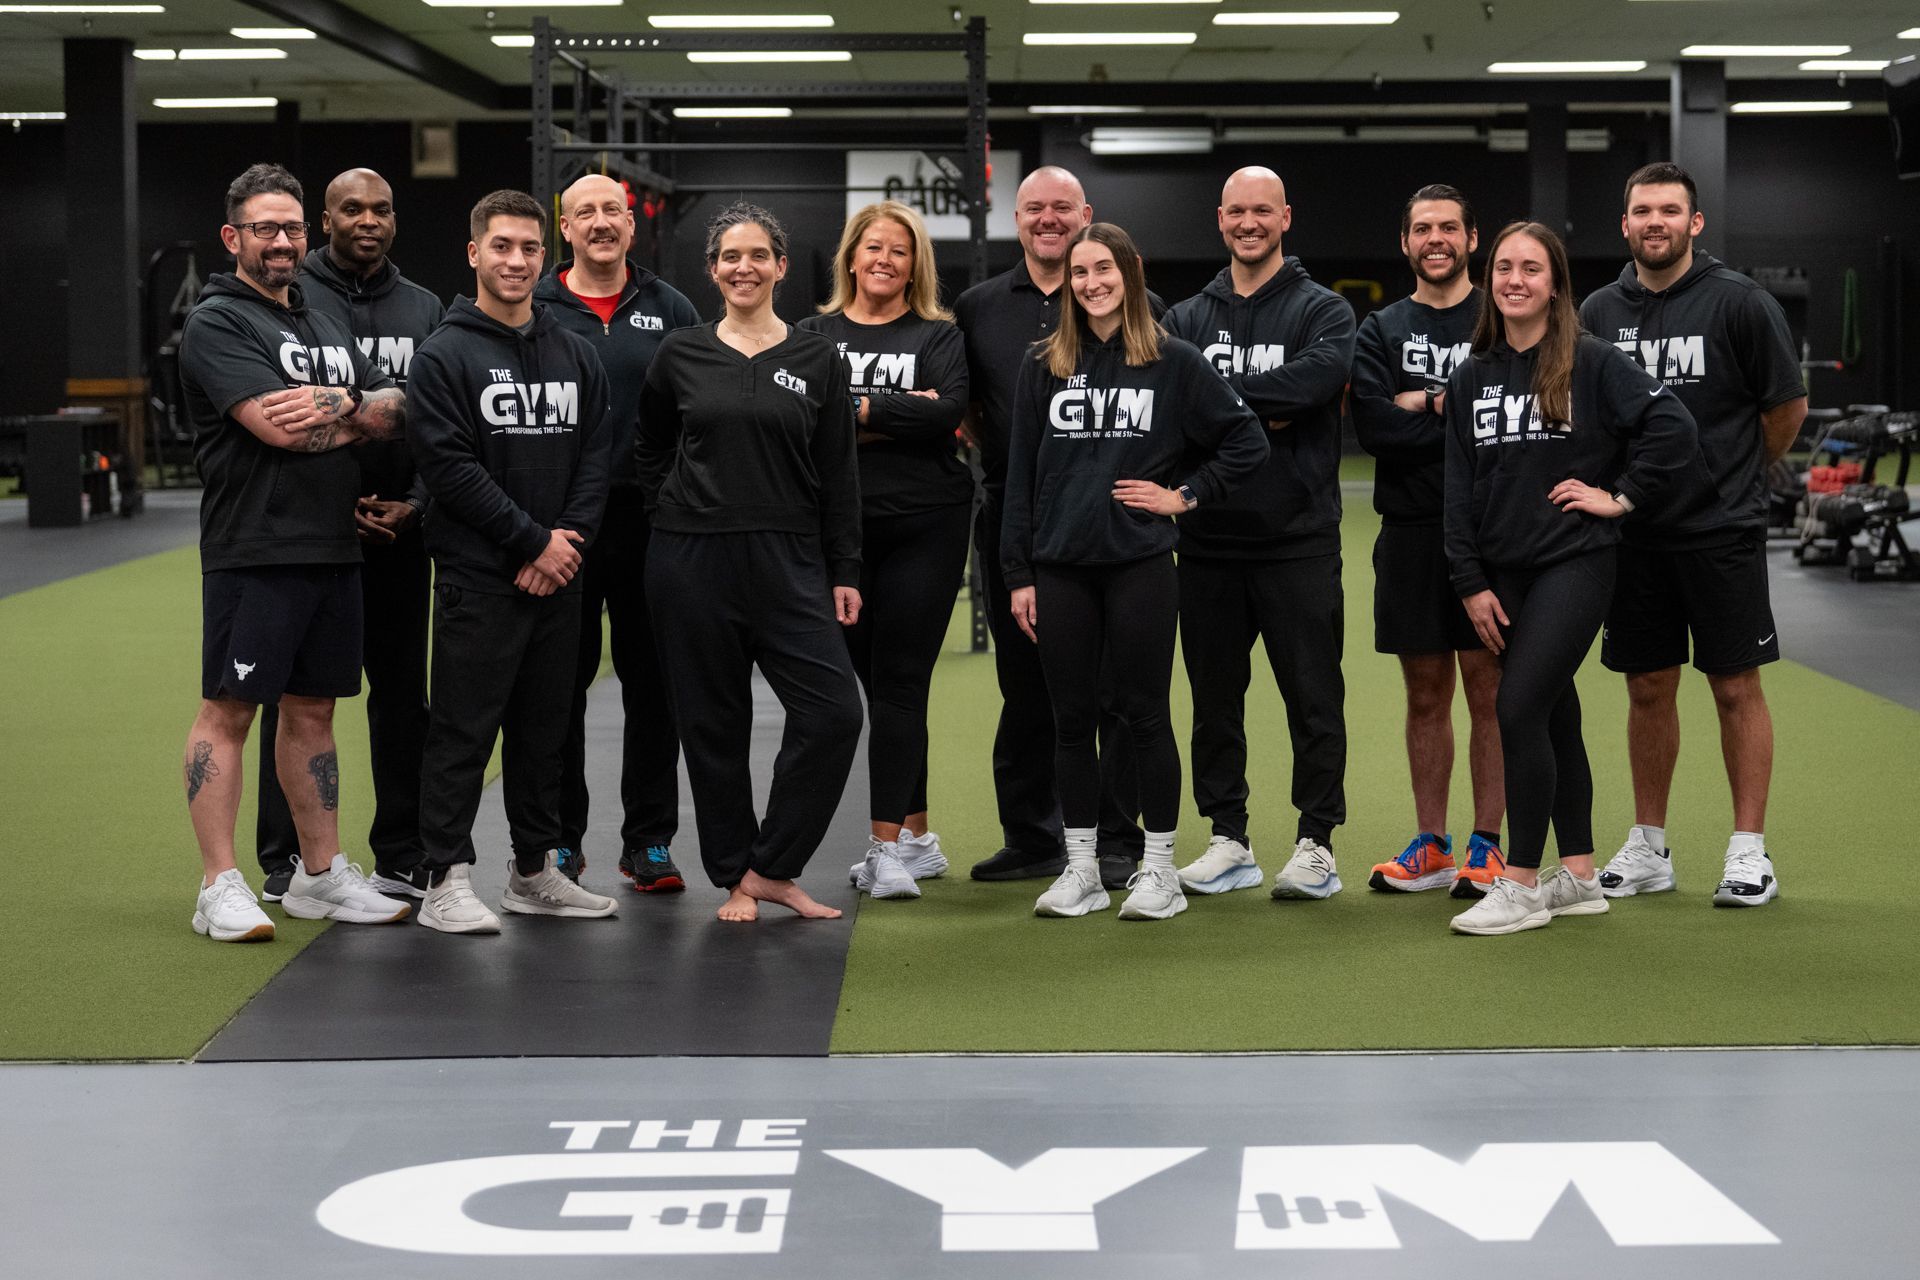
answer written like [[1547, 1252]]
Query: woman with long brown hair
[[1108, 416], [1552, 435], [907, 369]]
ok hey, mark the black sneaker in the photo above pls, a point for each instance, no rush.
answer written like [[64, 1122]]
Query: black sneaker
[[570, 863], [279, 878], [1020, 864], [1117, 867], [652, 870], [410, 883]]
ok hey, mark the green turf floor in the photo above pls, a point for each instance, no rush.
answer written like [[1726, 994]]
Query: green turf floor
[[968, 966]]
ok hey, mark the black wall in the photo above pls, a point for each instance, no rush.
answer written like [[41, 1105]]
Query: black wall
[[1817, 195]]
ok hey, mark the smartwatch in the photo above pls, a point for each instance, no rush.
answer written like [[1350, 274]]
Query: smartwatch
[[355, 398], [1434, 389], [1187, 496], [1626, 503]]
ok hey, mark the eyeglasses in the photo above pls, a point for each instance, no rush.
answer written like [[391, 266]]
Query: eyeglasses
[[271, 230]]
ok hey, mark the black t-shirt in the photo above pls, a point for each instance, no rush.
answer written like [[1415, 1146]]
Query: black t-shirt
[[1407, 346], [915, 467], [265, 505]]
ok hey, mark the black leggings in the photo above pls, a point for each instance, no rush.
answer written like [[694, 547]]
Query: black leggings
[[1555, 613], [910, 568], [1116, 620]]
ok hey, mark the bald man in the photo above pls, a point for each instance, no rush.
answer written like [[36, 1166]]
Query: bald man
[[351, 279], [1001, 318], [623, 311], [1265, 563]]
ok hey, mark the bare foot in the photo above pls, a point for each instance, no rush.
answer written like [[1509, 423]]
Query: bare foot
[[787, 894], [740, 905]]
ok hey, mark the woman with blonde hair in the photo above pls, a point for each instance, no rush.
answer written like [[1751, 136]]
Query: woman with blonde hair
[[907, 370], [1117, 428]]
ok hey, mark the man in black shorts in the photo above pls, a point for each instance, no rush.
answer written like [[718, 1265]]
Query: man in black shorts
[[1721, 343], [1401, 360], [351, 279], [274, 391]]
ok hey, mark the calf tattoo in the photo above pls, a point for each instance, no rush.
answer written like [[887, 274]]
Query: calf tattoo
[[325, 769], [200, 767]]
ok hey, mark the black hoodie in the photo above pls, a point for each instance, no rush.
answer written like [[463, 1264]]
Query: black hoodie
[[1287, 350], [1408, 346], [510, 432], [1722, 344], [649, 309], [1073, 437], [389, 317], [265, 505], [1629, 435]]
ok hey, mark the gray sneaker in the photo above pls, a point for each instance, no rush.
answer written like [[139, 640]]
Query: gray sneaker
[[548, 892], [1077, 892], [453, 907], [1508, 907], [341, 892], [1569, 895], [1309, 873], [1156, 895], [884, 874]]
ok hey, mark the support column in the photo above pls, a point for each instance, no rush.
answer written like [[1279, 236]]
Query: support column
[[104, 355], [1547, 164], [1699, 124]]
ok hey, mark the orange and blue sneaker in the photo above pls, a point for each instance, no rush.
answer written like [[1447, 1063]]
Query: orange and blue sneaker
[[1485, 862], [1427, 863]]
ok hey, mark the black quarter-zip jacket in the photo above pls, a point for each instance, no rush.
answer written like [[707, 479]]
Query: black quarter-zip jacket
[[1722, 344], [1287, 350], [1407, 346], [389, 317], [263, 505], [649, 309], [510, 432], [917, 466], [732, 444], [1629, 435], [1174, 422]]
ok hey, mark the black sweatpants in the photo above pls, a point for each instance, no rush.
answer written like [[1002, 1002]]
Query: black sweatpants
[[1117, 619], [1555, 612], [745, 600], [502, 667], [1296, 607], [396, 584], [910, 569], [613, 578], [1023, 780]]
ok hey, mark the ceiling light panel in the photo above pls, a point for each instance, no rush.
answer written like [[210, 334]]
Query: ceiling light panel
[[772, 55], [1766, 50], [733, 113], [194, 104], [738, 21], [1304, 18], [272, 33], [1097, 38], [1565, 68], [1787, 108]]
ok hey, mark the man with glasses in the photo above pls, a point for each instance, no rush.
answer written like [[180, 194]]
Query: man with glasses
[[274, 391]]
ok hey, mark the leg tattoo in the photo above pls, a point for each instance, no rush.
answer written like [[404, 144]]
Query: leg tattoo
[[200, 768], [325, 769]]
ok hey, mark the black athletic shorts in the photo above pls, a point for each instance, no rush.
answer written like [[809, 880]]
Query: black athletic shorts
[[1414, 607], [280, 629], [1718, 594]]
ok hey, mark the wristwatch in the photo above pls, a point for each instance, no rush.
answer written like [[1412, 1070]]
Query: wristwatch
[[1434, 389], [1626, 503], [355, 397], [858, 402], [1187, 496]]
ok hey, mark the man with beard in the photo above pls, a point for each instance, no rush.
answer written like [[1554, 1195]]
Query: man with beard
[[351, 279], [274, 391], [1265, 562], [623, 311], [1001, 319], [1401, 361], [1722, 344]]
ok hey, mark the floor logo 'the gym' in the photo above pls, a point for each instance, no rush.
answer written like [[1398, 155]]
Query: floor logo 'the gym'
[[699, 1199]]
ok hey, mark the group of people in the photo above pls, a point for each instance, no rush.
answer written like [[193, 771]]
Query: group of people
[[746, 493]]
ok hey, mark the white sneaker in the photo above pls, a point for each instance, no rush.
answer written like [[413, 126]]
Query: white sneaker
[[453, 907], [1508, 907], [1226, 865], [1156, 895], [227, 911], [548, 892], [921, 855], [1569, 895], [1309, 873], [1747, 881], [1637, 868], [1077, 892], [881, 874], [341, 892]]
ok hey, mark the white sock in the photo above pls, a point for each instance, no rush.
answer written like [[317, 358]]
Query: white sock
[[1159, 850], [1081, 851], [1747, 840], [1655, 836]]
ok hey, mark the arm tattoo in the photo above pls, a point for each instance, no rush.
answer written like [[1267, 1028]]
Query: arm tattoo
[[200, 767], [319, 439], [325, 769], [382, 414]]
